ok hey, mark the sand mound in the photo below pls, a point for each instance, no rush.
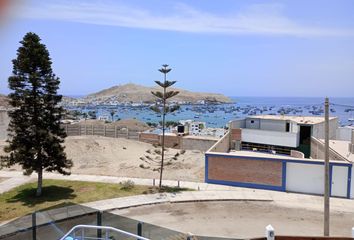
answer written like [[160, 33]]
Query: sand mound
[[129, 158]]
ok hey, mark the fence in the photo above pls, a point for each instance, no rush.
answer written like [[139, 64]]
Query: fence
[[276, 172], [55, 223], [101, 130]]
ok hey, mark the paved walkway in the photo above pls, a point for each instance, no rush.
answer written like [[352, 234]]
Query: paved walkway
[[205, 192], [16, 178]]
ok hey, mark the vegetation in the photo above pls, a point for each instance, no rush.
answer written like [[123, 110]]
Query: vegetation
[[35, 136], [22, 200], [170, 123], [112, 112], [164, 109]]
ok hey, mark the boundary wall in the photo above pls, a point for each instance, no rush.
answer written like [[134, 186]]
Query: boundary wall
[[276, 172]]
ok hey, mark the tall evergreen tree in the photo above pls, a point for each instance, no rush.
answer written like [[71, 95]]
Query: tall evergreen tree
[[162, 98], [35, 136]]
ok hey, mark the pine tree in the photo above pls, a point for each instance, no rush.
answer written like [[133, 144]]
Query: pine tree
[[35, 136], [164, 109]]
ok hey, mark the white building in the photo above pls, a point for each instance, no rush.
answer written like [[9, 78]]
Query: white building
[[282, 133], [193, 127]]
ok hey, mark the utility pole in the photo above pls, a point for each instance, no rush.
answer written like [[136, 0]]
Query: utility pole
[[326, 184]]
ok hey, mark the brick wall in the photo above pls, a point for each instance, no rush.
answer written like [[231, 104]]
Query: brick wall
[[236, 134], [149, 138], [266, 172], [171, 141]]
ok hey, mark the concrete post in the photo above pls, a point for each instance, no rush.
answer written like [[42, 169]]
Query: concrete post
[[127, 133], [99, 223], [104, 130], [352, 232], [34, 226], [115, 131], [326, 214], [270, 232], [140, 229]]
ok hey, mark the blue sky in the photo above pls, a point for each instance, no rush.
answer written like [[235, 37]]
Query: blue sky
[[239, 48]]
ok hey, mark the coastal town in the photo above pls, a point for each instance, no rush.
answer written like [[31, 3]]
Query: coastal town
[[176, 120]]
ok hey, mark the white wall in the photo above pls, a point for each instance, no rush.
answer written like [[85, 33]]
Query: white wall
[[352, 183], [318, 129], [239, 123], [304, 178], [252, 123], [344, 133], [273, 125], [270, 137]]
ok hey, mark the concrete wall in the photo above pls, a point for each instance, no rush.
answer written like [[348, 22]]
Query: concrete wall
[[273, 125], [223, 145], [305, 178], [253, 123], [277, 173], [270, 137], [352, 183], [100, 130], [190, 143], [296, 154], [4, 123], [239, 123], [317, 151], [344, 133], [318, 129]]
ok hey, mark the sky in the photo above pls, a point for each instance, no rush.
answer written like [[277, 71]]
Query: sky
[[238, 48]]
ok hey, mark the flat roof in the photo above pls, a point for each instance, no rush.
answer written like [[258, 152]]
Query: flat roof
[[342, 147], [202, 137], [261, 154], [244, 153], [298, 119]]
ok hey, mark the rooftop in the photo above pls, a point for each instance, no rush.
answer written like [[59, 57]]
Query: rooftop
[[342, 148], [298, 119]]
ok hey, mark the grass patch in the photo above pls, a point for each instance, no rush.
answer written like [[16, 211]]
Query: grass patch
[[21, 200]]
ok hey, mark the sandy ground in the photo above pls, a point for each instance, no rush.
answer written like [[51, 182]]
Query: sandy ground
[[130, 158], [239, 219], [2, 179]]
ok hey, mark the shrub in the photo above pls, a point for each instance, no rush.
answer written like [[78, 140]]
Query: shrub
[[127, 185]]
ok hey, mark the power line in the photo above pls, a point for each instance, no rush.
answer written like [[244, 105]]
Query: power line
[[342, 105]]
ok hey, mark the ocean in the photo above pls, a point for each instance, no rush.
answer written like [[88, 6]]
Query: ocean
[[220, 115]]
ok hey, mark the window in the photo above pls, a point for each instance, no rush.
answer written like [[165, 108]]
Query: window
[[287, 127], [252, 121]]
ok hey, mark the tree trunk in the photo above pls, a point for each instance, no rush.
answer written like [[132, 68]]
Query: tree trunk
[[39, 183]]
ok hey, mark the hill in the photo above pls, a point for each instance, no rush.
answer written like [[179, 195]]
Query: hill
[[4, 101], [137, 93]]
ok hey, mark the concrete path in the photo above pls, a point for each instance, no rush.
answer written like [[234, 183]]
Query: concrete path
[[16, 175], [205, 192]]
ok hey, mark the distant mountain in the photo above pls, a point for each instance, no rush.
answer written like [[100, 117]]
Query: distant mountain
[[137, 93], [4, 101]]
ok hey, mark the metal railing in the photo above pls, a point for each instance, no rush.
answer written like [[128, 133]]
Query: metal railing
[[104, 233]]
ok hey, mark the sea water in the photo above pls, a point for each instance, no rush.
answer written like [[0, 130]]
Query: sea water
[[219, 115]]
